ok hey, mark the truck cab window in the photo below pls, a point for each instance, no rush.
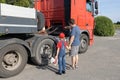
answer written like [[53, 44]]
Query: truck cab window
[[89, 6]]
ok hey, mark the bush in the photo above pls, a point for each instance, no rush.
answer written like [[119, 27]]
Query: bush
[[104, 26]]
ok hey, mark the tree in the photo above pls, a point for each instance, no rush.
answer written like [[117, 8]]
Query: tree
[[2, 1], [24, 3], [118, 22], [11, 1]]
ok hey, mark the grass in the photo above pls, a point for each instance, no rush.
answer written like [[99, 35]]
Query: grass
[[117, 26]]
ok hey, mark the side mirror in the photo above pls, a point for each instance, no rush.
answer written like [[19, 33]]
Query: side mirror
[[96, 11], [96, 5]]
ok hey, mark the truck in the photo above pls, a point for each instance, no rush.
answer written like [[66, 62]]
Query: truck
[[19, 27]]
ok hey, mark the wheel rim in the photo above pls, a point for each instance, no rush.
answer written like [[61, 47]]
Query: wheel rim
[[83, 43], [11, 60], [46, 49]]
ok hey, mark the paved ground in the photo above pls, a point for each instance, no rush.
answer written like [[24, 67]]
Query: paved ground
[[100, 62]]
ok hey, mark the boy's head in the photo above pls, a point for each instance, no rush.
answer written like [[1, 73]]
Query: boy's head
[[61, 35]]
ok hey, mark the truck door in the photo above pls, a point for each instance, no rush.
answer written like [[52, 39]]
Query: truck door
[[89, 14], [89, 17], [78, 9]]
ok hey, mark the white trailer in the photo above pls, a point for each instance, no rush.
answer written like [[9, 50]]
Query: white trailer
[[18, 42], [15, 19]]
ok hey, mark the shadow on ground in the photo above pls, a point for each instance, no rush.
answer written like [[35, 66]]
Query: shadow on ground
[[51, 68]]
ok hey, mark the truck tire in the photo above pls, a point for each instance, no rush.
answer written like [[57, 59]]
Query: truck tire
[[41, 21], [44, 50], [13, 59], [83, 43]]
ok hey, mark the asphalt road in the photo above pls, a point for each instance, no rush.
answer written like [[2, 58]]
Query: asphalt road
[[100, 62]]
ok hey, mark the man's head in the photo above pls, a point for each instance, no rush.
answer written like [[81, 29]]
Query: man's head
[[72, 22], [62, 35]]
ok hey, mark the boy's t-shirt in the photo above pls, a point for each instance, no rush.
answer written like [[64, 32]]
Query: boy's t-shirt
[[59, 44]]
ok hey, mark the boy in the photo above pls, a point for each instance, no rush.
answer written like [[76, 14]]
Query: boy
[[61, 45]]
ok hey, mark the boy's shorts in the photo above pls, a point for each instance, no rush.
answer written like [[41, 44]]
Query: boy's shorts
[[74, 50]]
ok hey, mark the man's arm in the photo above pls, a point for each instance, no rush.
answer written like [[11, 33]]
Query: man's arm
[[72, 37], [71, 40]]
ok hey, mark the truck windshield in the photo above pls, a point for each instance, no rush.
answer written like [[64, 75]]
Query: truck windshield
[[89, 6]]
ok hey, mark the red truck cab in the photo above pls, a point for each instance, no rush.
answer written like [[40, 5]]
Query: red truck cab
[[58, 12]]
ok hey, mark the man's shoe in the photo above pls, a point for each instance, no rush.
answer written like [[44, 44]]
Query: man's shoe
[[76, 66], [58, 73], [72, 67], [63, 72]]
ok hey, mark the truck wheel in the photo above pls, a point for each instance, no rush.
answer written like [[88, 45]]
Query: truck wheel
[[44, 50], [83, 43], [13, 59], [41, 21]]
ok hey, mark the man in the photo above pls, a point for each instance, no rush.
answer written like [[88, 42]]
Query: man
[[74, 43]]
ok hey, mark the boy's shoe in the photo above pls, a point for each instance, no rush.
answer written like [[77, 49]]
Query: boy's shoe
[[63, 72], [58, 73]]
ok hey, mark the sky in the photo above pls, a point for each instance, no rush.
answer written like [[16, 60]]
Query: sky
[[110, 8]]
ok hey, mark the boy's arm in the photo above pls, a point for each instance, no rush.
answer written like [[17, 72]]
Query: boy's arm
[[58, 49]]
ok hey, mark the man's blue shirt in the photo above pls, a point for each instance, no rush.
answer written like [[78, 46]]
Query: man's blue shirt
[[76, 33]]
